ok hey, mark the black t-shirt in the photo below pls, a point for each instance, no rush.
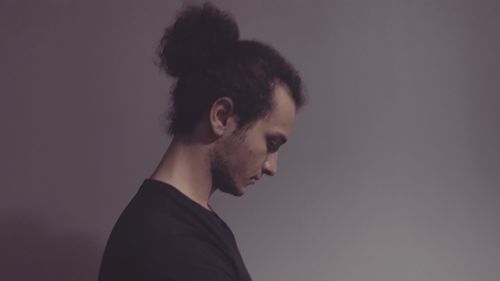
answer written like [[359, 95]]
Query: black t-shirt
[[164, 235]]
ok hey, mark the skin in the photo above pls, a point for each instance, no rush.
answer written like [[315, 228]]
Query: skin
[[219, 155]]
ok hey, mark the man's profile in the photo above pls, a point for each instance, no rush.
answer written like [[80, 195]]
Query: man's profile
[[233, 106]]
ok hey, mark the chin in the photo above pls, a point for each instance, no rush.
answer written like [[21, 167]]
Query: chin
[[239, 191], [239, 194], [233, 190]]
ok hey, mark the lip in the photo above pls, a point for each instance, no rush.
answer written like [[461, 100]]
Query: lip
[[253, 180]]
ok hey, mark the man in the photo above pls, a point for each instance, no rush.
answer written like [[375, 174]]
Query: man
[[234, 104]]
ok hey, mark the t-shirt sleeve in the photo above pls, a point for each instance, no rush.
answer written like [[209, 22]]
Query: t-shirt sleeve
[[186, 258]]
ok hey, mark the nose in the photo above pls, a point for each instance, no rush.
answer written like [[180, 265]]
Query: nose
[[270, 166]]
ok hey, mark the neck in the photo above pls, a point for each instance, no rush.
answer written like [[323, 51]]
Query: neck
[[185, 165]]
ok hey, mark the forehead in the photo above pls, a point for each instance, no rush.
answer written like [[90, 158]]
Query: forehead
[[282, 115]]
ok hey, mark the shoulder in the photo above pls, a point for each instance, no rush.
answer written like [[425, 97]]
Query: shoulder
[[150, 223]]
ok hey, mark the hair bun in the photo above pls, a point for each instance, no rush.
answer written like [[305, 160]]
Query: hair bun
[[199, 36]]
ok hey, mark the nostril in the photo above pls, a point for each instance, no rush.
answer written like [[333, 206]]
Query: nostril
[[269, 172]]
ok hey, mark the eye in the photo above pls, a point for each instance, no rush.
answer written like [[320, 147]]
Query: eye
[[272, 145]]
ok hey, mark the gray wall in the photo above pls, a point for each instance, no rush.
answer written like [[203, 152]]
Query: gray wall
[[392, 171]]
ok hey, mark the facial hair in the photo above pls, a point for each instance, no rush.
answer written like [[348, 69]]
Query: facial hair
[[220, 167]]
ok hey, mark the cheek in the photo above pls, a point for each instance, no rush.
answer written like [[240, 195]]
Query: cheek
[[242, 159], [245, 161], [248, 155], [255, 160]]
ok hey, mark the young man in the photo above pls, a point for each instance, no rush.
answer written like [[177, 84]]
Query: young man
[[234, 104]]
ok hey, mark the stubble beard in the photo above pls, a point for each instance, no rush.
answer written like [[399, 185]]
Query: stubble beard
[[221, 175]]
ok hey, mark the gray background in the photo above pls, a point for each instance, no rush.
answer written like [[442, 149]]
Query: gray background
[[391, 174]]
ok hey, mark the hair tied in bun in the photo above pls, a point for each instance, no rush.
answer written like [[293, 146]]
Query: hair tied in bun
[[200, 37]]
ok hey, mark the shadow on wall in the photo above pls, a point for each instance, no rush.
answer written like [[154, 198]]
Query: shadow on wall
[[31, 250]]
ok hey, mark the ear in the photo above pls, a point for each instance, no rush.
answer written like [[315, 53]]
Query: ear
[[222, 117]]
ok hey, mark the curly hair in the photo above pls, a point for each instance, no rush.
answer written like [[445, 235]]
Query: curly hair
[[203, 51]]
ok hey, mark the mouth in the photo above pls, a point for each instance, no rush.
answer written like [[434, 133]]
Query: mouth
[[253, 180]]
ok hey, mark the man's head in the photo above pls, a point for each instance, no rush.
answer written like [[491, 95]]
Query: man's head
[[240, 156], [244, 83]]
